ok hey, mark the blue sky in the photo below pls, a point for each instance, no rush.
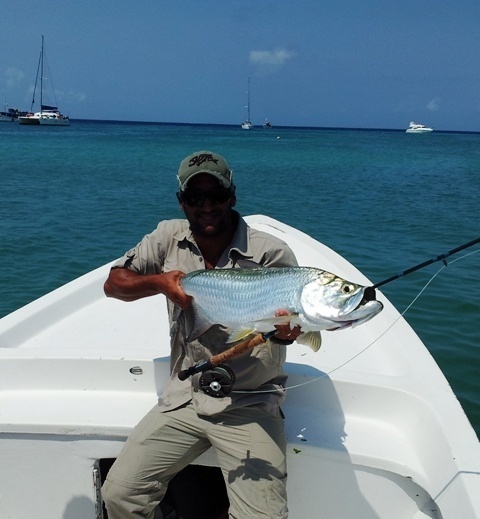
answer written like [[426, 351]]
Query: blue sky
[[345, 63]]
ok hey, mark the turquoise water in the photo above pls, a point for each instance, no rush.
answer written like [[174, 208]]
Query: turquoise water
[[75, 198]]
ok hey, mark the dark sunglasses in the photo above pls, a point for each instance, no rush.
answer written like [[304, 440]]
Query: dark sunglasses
[[217, 195]]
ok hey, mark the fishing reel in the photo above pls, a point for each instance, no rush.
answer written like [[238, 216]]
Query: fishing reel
[[217, 382]]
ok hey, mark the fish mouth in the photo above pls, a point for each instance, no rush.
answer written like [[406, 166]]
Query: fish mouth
[[364, 296], [360, 308], [369, 294]]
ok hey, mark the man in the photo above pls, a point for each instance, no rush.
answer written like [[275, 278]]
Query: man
[[246, 427]]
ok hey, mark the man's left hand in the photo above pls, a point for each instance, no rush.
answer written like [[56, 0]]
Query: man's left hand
[[285, 333]]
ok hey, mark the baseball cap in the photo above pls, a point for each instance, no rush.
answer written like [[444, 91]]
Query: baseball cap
[[204, 162]]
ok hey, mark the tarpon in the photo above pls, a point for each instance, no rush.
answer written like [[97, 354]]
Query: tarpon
[[245, 300]]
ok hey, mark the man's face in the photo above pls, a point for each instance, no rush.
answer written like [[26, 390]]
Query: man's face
[[211, 215]]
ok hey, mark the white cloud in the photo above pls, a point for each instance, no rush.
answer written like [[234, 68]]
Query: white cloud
[[14, 76], [77, 96], [269, 61], [434, 104]]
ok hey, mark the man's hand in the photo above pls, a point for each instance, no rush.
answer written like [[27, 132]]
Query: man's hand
[[173, 290], [128, 285], [285, 333]]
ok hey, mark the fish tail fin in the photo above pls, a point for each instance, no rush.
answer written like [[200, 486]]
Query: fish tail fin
[[311, 339]]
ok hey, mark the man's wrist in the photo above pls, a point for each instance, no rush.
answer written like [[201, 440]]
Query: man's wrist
[[284, 342]]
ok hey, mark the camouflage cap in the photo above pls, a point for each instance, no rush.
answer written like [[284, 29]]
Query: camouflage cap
[[204, 162]]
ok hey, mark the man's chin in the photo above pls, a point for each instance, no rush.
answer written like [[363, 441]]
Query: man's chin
[[209, 230], [203, 229]]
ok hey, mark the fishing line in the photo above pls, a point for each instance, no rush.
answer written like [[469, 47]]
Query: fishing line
[[415, 299]]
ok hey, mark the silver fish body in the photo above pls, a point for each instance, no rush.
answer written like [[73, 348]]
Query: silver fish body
[[245, 301]]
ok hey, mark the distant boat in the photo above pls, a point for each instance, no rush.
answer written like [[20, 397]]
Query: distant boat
[[418, 128], [267, 124], [6, 117], [48, 115], [247, 125], [8, 114]]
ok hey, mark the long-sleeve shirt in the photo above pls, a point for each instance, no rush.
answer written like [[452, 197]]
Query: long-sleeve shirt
[[259, 375]]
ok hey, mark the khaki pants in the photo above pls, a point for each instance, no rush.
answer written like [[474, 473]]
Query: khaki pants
[[250, 445]]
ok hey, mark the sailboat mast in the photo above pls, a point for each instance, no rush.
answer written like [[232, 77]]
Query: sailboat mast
[[41, 77], [248, 101]]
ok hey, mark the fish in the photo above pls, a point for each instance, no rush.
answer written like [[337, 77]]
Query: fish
[[244, 301]]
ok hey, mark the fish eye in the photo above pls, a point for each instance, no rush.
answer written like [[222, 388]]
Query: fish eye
[[347, 289]]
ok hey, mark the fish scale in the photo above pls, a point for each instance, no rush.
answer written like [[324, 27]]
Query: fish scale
[[249, 293]]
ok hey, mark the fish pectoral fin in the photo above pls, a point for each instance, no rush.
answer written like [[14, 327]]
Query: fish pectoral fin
[[260, 326], [268, 324], [240, 333], [311, 339]]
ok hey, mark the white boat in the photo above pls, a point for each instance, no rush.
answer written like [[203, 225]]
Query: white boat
[[48, 115], [374, 429], [418, 128], [8, 115], [247, 124], [267, 124]]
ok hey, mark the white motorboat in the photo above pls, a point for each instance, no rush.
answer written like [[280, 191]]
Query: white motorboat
[[418, 128], [47, 115], [247, 124], [374, 429]]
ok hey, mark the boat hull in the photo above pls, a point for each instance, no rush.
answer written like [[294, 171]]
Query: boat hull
[[33, 121], [421, 130], [373, 428], [54, 122], [44, 120]]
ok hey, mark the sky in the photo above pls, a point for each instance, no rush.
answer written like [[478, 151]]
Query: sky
[[342, 63]]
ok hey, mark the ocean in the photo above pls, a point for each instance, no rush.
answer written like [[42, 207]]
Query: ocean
[[74, 198]]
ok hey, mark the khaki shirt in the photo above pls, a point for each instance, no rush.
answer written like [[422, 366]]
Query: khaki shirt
[[259, 375]]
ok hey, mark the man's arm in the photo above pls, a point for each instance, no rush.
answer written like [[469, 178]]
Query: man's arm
[[128, 285]]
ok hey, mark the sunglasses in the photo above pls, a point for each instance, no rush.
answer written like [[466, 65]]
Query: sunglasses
[[217, 195]]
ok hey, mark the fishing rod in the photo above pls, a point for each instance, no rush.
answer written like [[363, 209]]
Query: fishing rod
[[441, 257], [217, 379]]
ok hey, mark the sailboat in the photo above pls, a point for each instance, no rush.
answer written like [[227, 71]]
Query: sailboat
[[8, 115], [247, 125], [48, 115]]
